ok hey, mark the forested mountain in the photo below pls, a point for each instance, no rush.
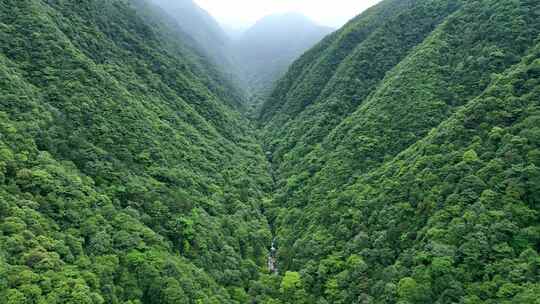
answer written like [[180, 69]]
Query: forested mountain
[[405, 148], [265, 51], [127, 174], [397, 161], [253, 59], [203, 28]]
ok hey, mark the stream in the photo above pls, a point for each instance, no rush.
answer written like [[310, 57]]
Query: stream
[[272, 258]]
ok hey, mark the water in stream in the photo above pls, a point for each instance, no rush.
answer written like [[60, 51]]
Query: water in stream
[[272, 258]]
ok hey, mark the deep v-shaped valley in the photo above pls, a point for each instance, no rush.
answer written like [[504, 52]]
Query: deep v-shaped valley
[[148, 158]]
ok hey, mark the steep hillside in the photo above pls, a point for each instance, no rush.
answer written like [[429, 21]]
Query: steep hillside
[[202, 27], [405, 150], [265, 51], [126, 173]]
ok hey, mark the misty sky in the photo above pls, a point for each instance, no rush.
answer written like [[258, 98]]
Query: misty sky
[[243, 13]]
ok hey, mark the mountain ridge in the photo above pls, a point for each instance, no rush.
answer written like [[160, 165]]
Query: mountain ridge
[[265, 50], [200, 25]]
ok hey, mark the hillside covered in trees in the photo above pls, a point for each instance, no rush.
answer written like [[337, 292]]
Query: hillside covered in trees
[[205, 32], [405, 148], [127, 174], [397, 161]]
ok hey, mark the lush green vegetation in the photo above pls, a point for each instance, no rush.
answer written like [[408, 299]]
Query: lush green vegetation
[[401, 159], [126, 173], [405, 150], [204, 33]]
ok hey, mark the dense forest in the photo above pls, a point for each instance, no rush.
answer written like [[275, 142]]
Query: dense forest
[[127, 174], [397, 161], [406, 150]]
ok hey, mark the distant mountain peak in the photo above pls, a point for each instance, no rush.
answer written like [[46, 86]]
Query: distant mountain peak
[[287, 15], [266, 49], [287, 21]]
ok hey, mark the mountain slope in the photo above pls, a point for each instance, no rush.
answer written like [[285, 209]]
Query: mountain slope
[[213, 58], [380, 141], [265, 51], [126, 173], [196, 22]]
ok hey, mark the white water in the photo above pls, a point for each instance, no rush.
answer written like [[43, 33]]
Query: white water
[[272, 261]]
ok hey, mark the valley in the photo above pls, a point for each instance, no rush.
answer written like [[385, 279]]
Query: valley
[[148, 158]]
